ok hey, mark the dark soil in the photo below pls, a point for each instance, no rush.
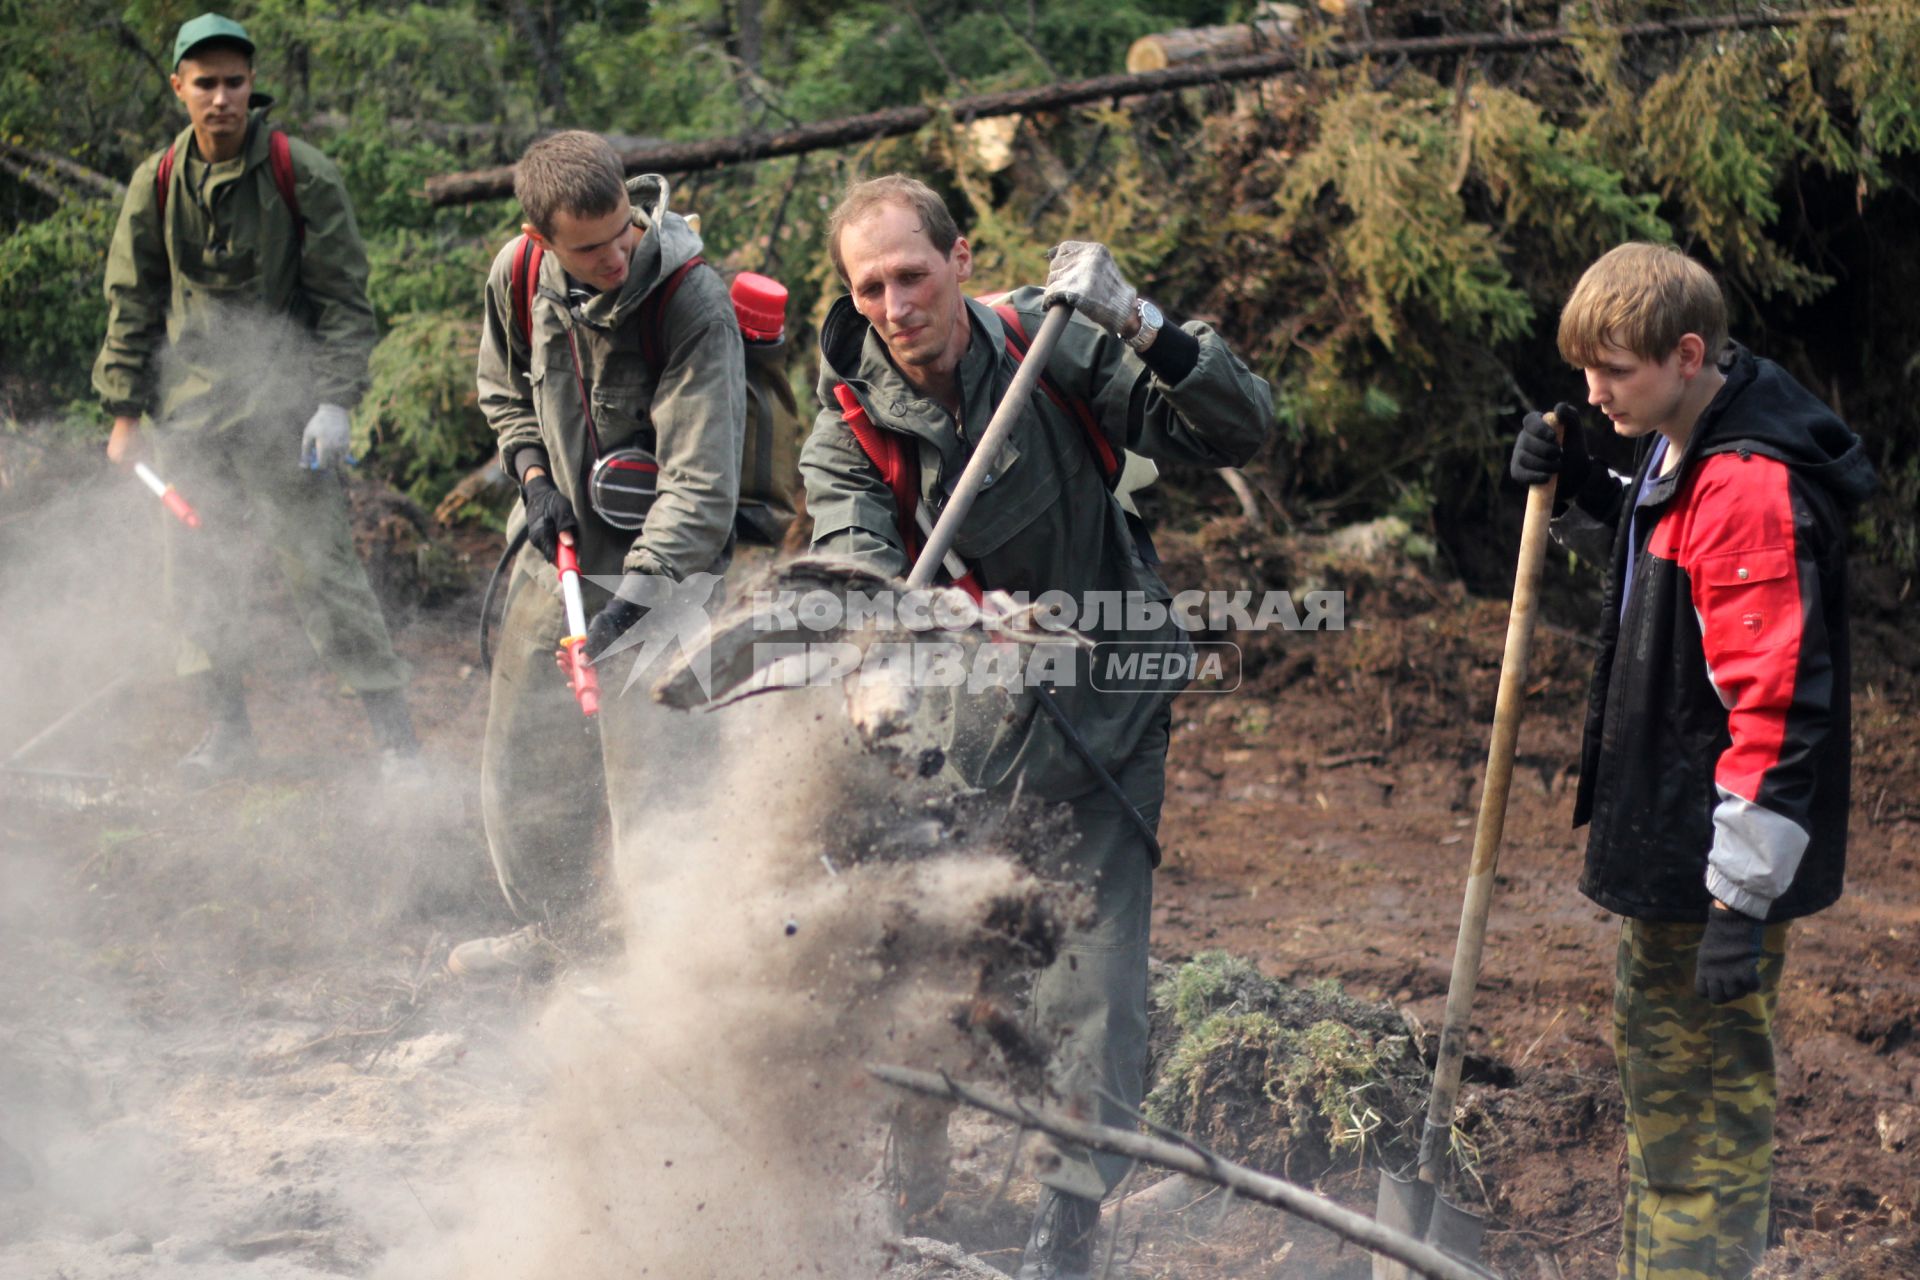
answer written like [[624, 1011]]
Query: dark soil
[[1318, 824]]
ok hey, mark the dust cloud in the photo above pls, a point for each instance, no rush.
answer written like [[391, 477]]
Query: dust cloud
[[228, 1046], [707, 1111]]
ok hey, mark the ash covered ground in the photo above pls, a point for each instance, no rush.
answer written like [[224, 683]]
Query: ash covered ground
[[228, 1047]]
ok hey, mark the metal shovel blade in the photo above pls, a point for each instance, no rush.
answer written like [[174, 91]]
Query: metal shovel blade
[[1412, 1206], [733, 658], [1453, 1230], [1406, 1205]]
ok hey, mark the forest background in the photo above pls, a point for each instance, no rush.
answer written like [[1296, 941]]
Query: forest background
[[1388, 240]]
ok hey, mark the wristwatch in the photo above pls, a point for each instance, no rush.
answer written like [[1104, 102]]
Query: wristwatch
[[1150, 322]]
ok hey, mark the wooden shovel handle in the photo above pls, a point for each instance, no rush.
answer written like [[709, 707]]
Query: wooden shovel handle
[[973, 478], [1508, 708]]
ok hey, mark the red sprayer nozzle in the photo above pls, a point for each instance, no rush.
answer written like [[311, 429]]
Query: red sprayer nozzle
[[182, 510], [581, 676]]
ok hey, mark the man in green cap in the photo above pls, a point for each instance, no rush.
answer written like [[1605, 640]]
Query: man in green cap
[[238, 320]]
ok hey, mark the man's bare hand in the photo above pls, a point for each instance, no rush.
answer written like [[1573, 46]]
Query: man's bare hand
[[125, 445]]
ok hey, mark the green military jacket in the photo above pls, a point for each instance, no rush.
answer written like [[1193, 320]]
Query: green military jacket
[[1046, 520], [690, 414], [222, 312]]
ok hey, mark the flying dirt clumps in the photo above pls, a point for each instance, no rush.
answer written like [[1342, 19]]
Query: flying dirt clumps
[[1288, 1079], [707, 1109], [949, 881]]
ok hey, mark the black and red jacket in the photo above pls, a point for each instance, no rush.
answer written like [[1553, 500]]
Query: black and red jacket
[[1716, 760]]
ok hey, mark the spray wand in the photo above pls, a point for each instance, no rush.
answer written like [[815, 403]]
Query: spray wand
[[573, 646], [180, 507]]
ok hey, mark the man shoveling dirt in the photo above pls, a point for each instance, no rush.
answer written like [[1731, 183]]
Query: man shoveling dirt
[[912, 370]]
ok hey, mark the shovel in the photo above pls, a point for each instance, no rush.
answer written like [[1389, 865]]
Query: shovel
[[1415, 1205], [876, 708], [730, 659]]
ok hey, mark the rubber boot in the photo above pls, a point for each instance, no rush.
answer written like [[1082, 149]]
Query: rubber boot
[[393, 733], [1061, 1246], [227, 749]]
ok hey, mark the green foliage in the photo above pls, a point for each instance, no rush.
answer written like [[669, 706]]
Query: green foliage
[[1388, 244], [424, 271], [420, 421], [1880, 76], [1716, 146], [688, 88], [1300, 1079], [384, 63], [52, 311], [1210, 981], [1554, 180], [1399, 227]]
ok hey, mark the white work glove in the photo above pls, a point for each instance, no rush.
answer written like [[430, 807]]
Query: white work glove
[[1085, 277], [328, 439]]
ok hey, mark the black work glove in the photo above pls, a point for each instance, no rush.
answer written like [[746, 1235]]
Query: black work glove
[[1729, 962], [1538, 456], [615, 618], [549, 514]]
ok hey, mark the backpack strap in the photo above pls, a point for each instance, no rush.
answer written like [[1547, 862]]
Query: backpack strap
[[652, 347], [1112, 463], [523, 280], [1079, 410], [897, 461], [888, 454], [279, 159], [163, 179]]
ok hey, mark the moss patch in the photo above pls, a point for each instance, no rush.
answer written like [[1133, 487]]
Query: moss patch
[[1297, 1080]]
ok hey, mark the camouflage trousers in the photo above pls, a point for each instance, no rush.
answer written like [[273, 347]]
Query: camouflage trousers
[[1699, 1086]]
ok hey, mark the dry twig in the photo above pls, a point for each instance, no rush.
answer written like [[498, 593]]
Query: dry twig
[[1189, 1157]]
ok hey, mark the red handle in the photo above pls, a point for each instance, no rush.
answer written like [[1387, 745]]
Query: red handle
[[180, 508], [583, 678]]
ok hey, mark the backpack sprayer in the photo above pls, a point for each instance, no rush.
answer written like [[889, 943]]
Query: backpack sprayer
[[181, 508], [573, 646]]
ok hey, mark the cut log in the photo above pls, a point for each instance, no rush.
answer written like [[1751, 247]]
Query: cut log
[[1213, 44], [486, 487], [54, 174]]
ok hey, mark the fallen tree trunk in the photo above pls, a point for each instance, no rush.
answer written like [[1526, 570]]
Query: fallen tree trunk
[[1199, 1163], [46, 172], [1211, 44], [693, 157]]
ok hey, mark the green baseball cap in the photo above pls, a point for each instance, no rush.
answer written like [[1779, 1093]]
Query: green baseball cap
[[209, 26]]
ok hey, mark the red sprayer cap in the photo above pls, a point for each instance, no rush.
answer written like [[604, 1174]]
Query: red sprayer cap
[[761, 305]]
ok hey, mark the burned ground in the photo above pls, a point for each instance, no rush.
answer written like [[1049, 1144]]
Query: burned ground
[[229, 1048]]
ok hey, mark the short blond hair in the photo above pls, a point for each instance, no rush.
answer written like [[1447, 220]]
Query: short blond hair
[[572, 170], [1645, 298]]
